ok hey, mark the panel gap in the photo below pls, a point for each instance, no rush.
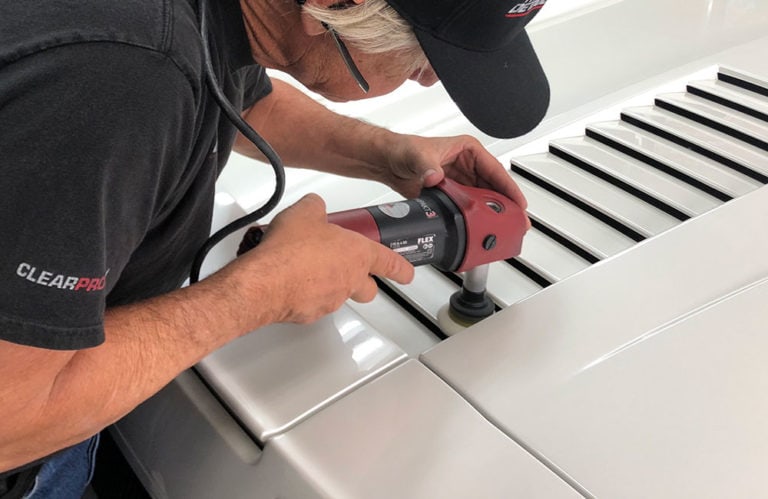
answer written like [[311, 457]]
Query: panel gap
[[564, 241], [727, 102], [638, 155], [695, 148], [610, 221], [529, 273], [715, 125], [742, 84], [619, 183]]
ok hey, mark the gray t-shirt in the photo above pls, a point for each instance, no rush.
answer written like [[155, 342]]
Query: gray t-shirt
[[110, 146]]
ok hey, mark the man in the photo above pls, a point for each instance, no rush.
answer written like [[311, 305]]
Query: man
[[110, 148]]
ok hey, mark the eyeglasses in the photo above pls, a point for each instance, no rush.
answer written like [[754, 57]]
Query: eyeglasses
[[347, 58], [345, 55]]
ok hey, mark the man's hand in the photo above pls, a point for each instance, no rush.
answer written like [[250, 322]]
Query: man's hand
[[314, 266], [423, 162], [337, 144]]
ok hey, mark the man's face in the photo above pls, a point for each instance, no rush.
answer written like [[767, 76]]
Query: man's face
[[384, 72]]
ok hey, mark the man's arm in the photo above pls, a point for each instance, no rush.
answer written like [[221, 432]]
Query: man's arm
[[53, 399], [308, 135]]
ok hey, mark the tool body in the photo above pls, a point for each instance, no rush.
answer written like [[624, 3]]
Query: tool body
[[454, 227], [451, 226]]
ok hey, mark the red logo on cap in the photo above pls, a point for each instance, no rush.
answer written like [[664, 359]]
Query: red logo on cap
[[524, 8]]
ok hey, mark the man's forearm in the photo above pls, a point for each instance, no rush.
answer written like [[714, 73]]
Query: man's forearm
[[69, 396], [308, 135]]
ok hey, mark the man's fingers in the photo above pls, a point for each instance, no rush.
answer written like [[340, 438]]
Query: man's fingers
[[515, 193], [390, 265], [309, 209], [386, 264], [312, 205], [500, 180], [432, 177], [367, 292]]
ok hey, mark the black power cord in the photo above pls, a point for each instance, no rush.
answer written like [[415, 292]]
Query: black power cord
[[250, 134]]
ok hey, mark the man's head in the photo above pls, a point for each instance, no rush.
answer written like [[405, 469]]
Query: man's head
[[478, 49], [384, 44]]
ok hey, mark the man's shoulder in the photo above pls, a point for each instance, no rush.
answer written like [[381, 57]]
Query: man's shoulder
[[34, 25]]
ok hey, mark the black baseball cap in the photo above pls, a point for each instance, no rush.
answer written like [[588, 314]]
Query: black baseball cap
[[484, 58]]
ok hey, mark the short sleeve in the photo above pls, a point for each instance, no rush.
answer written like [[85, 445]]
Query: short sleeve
[[256, 84], [90, 131]]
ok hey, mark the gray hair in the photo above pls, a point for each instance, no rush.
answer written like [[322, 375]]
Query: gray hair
[[372, 27]]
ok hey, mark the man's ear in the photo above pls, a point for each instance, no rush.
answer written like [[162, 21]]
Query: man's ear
[[312, 26]]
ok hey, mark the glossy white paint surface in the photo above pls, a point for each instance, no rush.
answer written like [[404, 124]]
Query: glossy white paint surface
[[739, 152], [642, 376], [699, 167], [408, 434], [277, 376], [597, 193], [577, 226], [656, 184]]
